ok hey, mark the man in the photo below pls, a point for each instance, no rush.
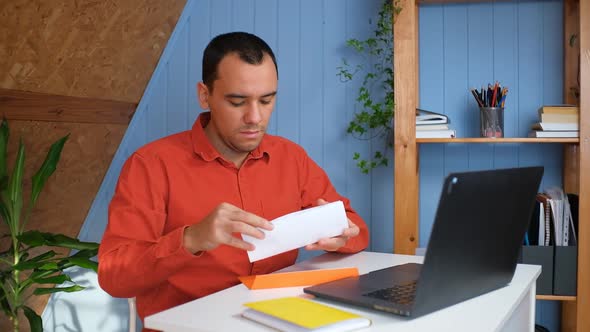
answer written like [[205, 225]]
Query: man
[[182, 202]]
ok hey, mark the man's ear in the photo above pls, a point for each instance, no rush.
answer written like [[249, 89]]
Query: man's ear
[[203, 95]]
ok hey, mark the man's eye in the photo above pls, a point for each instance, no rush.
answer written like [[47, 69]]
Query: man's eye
[[265, 102], [236, 104]]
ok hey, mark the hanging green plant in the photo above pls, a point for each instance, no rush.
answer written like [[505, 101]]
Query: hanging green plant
[[375, 95]]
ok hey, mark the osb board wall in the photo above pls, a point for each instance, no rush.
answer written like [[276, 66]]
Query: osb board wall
[[69, 192], [96, 49], [102, 49]]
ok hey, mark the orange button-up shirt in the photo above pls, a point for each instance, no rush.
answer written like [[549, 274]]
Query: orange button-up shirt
[[176, 181]]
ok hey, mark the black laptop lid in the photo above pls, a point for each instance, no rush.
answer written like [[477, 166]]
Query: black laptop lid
[[477, 233]]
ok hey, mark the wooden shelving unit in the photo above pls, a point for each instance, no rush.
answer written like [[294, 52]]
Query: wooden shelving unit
[[576, 176]]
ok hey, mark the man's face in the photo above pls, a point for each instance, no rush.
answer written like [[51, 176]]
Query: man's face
[[241, 103]]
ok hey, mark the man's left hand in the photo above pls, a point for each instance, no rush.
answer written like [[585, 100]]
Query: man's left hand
[[334, 243]]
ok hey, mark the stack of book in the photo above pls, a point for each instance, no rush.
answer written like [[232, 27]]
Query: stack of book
[[432, 125], [557, 121]]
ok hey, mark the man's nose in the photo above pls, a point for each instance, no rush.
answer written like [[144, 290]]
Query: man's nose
[[253, 114]]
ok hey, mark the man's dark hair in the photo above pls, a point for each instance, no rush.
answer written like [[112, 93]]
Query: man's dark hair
[[250, 48]]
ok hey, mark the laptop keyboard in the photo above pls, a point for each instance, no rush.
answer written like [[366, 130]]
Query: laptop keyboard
[[402, 294]]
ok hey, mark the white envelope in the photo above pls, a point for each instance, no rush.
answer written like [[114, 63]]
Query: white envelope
[[298, 229]]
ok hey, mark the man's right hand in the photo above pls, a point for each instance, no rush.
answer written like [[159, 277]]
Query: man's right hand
[[219, 226]]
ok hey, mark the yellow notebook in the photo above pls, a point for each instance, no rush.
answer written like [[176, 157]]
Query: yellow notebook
[[295, 314]]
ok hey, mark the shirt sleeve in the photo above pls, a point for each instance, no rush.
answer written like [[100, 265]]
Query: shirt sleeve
[[135, 254], [316, 184]]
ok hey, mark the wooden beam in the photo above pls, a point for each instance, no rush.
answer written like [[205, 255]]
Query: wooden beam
[[571, 168], [583, 296], [571, 160], [24, 105], [406, 184]]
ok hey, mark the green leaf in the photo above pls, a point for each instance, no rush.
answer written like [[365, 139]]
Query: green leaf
[[44, 256], [36, 239], [5, 211], [47, 168], [362, 164], [86, 253], [58, 279], [35, 262], [70, 289], [48, 266], [84, 262], [34, 320], [5, 305], [16, 180], [15, 189], [82, 259], [38, 274], [32, 238]]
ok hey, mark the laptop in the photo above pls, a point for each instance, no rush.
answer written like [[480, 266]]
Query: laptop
[[478, 230]]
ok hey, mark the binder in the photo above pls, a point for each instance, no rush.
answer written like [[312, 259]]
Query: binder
[[547, 228]]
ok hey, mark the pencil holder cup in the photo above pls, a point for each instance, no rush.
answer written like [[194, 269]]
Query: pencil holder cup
[[491, 121]]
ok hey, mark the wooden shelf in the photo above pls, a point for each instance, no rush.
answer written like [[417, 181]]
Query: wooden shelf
[[497, 140], [555, 298]]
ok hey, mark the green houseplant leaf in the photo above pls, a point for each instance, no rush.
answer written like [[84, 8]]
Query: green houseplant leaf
[[47, 168], [12, 195], [70, 289], [20, 269], [35, 321], [36, 239]]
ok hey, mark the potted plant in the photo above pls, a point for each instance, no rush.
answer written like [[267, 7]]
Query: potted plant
[[375, 95], [25, 271]]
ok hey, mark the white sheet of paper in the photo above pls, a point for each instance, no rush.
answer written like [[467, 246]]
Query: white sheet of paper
[[298, 229]]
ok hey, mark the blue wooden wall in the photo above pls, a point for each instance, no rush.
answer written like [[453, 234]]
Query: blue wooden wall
[[464, 45]]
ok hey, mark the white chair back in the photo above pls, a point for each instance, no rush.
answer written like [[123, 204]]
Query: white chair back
[[132, 314]]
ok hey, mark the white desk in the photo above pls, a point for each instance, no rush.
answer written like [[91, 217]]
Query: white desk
[[510, 308]]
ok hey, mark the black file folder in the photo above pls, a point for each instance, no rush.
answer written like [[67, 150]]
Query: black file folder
[[540, 255], [565, 270], [565, 267]]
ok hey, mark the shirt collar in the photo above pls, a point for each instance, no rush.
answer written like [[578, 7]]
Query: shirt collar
[[205, 149]]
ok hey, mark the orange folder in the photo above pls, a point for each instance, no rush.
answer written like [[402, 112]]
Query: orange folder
[[298, 278]]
